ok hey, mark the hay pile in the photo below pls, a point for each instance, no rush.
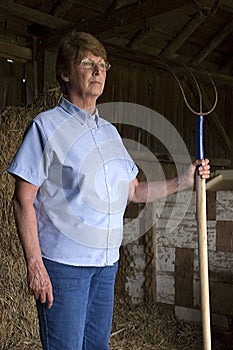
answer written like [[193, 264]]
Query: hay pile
[[18, 324], [134, 327], [151, 327]]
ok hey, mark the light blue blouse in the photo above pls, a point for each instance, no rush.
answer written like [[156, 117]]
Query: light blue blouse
[[83, 173]]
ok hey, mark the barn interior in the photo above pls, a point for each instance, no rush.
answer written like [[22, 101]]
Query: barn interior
[[161, 53]]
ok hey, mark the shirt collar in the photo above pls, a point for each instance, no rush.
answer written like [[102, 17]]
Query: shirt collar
[[80, 114]]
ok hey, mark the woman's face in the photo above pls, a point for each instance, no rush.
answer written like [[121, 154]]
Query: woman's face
[[86, 83]]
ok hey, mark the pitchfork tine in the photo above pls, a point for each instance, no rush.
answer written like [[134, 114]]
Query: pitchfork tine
[[200, 112]]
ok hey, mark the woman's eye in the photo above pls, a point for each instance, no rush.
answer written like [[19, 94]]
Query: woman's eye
[[88, 64]]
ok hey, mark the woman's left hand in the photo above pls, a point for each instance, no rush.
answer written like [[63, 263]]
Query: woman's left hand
[[203, 168], [186, 180]]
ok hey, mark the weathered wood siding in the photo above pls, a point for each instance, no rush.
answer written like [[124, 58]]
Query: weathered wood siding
[[157, 89], [174, 267]]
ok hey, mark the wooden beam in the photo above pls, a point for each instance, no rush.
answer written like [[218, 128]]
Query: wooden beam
[[90, 4], [139, 36], [62, 8], [135, 14], [137, 39], [183, 35], [10, 24], [15, 52], [214, 43], [123, 19], [32, 15], [153, 22], [114, 4], [226, 5]]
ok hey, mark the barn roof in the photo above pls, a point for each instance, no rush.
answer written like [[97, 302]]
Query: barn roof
[[190, 32]]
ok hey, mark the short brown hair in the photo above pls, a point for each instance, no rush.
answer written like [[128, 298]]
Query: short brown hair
[[69, 49]]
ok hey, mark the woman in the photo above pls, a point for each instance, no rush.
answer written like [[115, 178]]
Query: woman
[[73, 180]]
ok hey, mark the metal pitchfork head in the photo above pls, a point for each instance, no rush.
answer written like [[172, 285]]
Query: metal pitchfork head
[[200, 114]]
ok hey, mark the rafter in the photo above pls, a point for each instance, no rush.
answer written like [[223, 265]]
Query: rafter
[[214, 43], [62, 8], [226, 5], [15, 52], [32, 15], [153, 22], [138, 38], [112, 7], [127, 18], [183, 35]]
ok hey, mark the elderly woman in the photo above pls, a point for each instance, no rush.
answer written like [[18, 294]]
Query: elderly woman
[[68, 214]]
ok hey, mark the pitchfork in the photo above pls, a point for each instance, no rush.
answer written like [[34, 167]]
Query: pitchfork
[[201, 204]]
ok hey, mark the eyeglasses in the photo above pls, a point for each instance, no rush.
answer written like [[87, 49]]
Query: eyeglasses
[[86, 63]]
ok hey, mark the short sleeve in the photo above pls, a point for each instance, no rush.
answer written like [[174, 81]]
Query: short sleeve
[[131, 166], [31, 161]]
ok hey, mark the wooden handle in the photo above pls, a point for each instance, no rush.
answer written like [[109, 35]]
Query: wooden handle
[[203, 259], [202, 237]]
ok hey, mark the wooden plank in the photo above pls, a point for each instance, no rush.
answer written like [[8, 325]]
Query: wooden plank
[[211, 205], [32, 15], [62, 8], [152, 22], [125, 18], [183, 35], [224, 239], [49, 70], [226, 5], [214, 43], [221, 298], [222, 180], [184, 271], [114, 4], [13, 51]]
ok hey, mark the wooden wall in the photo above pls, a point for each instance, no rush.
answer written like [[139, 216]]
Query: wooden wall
[[12, 86], [142, 84], [157, 89], [164, 265]]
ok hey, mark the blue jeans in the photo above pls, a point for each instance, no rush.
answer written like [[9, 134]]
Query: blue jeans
[[81, 316]]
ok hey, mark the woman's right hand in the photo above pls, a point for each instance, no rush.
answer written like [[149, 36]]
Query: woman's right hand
[[39, 283]]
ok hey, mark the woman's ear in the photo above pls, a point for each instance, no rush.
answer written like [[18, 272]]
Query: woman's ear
[[65, 77]]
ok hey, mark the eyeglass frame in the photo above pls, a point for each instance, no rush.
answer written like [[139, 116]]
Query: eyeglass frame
[[94, 64]]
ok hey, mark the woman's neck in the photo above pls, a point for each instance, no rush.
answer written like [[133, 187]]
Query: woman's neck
[[87, 104]]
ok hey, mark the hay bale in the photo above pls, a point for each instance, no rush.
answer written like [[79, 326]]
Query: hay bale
[[18, 324]]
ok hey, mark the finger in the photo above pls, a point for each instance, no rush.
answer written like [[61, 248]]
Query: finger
[[49, 299], [43, 297]]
